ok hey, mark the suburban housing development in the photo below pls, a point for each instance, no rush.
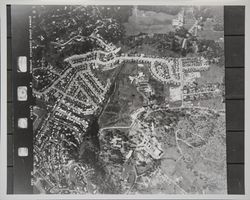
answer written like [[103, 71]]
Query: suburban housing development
[[128, 100]]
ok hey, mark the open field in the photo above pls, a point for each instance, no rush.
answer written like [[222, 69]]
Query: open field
[[148, 22], [39, 114], [215, 74], [208, 33], [215, 103], [124, 101]]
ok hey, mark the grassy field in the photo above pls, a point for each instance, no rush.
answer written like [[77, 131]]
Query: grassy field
[[148, 22], [39, 114], [124, 101], [215, 74], [215, 103], [208, 33]]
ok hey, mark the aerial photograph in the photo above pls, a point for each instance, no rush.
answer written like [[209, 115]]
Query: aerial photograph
[[128, 99]]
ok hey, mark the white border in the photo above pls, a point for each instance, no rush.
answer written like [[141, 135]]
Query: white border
[[3, 138]]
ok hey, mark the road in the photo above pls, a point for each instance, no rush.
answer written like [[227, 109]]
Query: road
[[94, 58], [158, 75]]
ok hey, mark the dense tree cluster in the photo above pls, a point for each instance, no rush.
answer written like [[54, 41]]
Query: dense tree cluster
[[89, 155], [218, 27], [55, 25], [171, 41], [111, 30], [211, 50], [120, 13]]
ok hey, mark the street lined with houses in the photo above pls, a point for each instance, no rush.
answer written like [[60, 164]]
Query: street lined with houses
[[125, 110]]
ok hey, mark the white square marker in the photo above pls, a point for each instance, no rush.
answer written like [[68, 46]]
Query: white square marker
[[23, 152], [22, 64], [22, 123], [22, 93]]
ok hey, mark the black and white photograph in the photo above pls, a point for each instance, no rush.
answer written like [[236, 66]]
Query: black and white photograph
[[119, 99], [126, 100]]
